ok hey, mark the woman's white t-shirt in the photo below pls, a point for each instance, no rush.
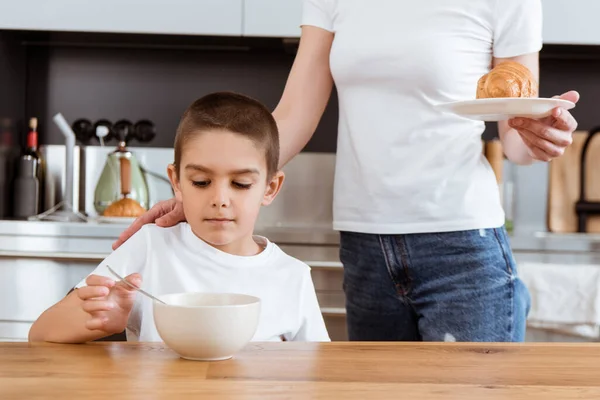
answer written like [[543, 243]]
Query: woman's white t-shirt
[[402, 166], [175, 260]]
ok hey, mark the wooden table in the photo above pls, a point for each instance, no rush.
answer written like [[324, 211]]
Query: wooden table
[[338, 370]]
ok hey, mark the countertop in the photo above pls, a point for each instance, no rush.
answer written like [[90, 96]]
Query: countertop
[[294, 370], [322, 234], [95, 238]]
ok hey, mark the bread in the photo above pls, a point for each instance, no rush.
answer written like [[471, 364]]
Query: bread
[[508, 79], [126, 207]]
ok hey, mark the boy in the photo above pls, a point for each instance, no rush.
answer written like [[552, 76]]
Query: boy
[[225, 169]]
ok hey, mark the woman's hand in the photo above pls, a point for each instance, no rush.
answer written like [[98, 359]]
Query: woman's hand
[[547, 138], [165, 213]]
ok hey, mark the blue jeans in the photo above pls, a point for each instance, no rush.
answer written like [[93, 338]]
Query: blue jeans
[[454, 286]]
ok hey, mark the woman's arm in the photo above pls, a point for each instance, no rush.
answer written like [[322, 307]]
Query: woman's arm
[[542, 139], [306, 92]]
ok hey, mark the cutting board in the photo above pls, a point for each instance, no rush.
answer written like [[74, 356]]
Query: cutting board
[[563, 191]]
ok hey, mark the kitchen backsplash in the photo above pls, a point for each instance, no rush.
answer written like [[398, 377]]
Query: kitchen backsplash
[[302, 201]]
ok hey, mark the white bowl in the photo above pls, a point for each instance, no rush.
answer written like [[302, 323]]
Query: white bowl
[[207, 326]]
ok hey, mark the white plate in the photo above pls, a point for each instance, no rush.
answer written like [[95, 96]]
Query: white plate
[[115, 220], [501, 109]]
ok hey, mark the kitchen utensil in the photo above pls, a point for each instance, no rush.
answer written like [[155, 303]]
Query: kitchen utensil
[[116, 275], [64, 211], [564, 186], [84, 130], [101, 132], [69, 147], [585, 207], [125, 207], [113, 185], [499, 109], [144, 131]]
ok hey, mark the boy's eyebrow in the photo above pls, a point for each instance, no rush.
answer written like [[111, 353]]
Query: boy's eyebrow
[[196, 167]]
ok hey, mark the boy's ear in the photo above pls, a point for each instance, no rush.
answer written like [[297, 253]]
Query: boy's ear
[[175, 183], [273, 188]]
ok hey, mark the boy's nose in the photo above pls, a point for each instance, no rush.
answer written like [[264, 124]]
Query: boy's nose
[[220, 198]]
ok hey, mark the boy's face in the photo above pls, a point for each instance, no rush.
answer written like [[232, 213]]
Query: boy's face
[[222, 184]]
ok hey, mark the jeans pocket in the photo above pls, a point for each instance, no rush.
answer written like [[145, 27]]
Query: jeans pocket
[[503, 242]]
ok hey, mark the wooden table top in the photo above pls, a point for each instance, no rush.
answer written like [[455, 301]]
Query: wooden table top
[[290, 370]]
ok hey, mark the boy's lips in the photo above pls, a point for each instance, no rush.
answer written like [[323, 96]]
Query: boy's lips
[[219, 220]]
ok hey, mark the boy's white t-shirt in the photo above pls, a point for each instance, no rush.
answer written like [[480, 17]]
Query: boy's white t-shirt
[[174, 260], [402, 166]]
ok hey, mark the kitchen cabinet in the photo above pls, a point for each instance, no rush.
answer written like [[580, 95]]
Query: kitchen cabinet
[[272, 18], [30, 285], [571, 22], [185, 17], [565, 22]]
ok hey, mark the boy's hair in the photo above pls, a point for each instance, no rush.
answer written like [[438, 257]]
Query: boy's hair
[[230, 112]]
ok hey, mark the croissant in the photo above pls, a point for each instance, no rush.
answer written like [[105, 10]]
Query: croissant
[[125, 207], [508, 79]]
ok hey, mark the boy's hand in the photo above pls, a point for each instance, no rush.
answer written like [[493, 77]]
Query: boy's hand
[[109, 303]]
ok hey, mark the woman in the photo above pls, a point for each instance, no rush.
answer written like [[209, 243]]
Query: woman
[[423, 246]]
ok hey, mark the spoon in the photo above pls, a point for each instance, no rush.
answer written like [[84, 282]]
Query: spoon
[[101, 132], [133, 286]]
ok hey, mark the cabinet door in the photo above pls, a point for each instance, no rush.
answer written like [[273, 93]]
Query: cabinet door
[[28, 286], [186, 17], [571, 22], [274, 18]]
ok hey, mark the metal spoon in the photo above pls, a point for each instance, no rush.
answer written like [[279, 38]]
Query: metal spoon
[[133, 286]]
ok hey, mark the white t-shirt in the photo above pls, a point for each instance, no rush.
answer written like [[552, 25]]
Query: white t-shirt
[[403, 167], [174, 260]]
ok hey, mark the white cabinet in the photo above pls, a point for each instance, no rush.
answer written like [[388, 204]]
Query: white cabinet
[[185, 17], [272, 18], [571, 21]]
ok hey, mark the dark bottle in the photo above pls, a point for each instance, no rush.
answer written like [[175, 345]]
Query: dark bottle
[[26, 188], [32, 149], [28, 184]]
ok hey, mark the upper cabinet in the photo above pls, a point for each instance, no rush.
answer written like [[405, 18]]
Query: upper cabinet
[[565, 22], [571, 22], [262, 18], [274, 18], [184, 17]]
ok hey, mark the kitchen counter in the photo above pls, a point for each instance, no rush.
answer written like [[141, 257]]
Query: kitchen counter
[[288, 234], [556, 242], [294, 370], [92, 239]]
